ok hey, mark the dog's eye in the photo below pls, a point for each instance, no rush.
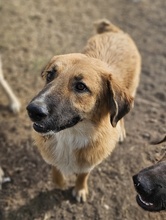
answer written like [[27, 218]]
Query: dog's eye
[[50, 75], [81, 87]]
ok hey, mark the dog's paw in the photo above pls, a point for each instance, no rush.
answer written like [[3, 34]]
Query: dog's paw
[[15, 106], [80, 195]]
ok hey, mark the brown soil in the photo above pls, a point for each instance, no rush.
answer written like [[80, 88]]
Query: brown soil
[[31, 32]]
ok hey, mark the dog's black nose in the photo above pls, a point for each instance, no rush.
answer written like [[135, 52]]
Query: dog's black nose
[[136, 181], [145, 185], [37, 111], [141, 185]]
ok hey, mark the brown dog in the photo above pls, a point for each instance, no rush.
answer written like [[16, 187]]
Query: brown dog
[[78, 115]]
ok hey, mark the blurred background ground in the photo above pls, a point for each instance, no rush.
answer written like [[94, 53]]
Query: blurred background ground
[[31, 32]]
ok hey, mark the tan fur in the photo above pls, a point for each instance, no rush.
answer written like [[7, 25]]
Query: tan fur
[[58, 178], [110, 60], [81, 187], [121, 54]]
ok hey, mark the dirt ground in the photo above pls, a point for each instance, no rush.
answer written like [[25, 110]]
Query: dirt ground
[[31, 32]]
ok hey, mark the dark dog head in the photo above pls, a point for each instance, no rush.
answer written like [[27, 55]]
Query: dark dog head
[[77, 88], [150, 183]]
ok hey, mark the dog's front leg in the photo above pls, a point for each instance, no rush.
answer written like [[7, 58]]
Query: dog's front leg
[[58, 178], [80, 191]]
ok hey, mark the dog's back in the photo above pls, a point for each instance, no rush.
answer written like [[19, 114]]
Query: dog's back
[[118, 50]]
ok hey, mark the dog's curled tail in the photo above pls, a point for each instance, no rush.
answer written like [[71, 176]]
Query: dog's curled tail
[[105, 25]]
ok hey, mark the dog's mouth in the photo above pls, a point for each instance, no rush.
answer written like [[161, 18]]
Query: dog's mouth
[[151, 206], [143, 203], [52, 117], [41, 127]]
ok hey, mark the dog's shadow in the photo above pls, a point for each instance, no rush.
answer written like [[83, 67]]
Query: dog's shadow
[[43, 202]]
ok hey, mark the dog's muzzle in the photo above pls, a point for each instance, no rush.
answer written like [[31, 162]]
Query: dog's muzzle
[[149, 192], [38, 112], [48, 118]]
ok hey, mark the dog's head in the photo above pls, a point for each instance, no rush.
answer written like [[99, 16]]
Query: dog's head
[[150, 183], [77, 88]]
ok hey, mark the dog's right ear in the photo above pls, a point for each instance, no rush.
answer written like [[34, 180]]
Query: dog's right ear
[[42, 71], [119, 101], [49, 63]]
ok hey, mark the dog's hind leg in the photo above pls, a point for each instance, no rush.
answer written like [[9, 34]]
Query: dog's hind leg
[[58, 178], [80, 191], [122, 131]]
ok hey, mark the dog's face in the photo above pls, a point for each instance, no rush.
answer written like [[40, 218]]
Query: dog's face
[[150, 184], [77, 88]]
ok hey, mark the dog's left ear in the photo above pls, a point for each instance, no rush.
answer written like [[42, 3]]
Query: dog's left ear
[[120, 102]]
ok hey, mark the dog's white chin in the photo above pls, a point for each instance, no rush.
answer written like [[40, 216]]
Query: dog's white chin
[[49, 133]]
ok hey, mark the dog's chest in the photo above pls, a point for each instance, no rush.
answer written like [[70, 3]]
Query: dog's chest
[[61, 152]]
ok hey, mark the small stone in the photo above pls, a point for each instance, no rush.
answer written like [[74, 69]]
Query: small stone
[[106, 206]]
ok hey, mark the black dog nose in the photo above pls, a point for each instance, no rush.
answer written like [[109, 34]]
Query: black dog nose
[[136, 181], [145, 185], [37, 111], [139, 184]]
